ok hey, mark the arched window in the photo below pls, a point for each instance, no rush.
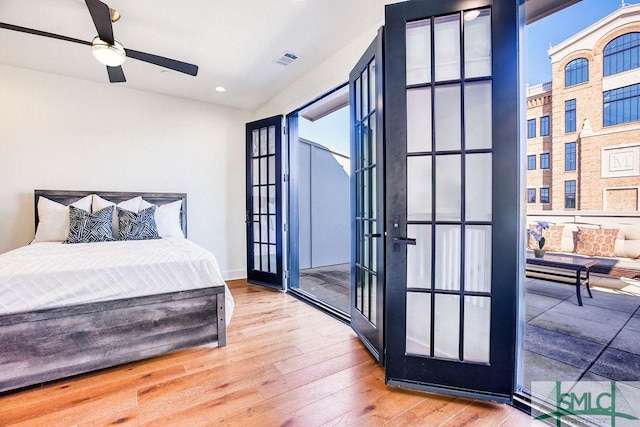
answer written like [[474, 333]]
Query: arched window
[[622, 54], [576, 71]]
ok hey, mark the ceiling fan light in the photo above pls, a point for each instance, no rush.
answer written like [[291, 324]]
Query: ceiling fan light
[[109, 55]]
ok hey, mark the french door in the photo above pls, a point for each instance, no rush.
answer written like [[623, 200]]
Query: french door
[[367, 195], [264, 202], [452, 202]]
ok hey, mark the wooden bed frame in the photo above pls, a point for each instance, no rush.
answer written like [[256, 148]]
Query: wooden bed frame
[[50, 344]]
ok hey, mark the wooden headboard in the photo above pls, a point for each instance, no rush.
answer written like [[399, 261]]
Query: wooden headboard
[[66, 197]]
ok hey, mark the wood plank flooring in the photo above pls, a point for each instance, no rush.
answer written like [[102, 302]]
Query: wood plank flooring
[[285, 364]]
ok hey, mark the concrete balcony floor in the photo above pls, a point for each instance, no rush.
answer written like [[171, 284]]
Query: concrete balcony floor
[[599, 341]]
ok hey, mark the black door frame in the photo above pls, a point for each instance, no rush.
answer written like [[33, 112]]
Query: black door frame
[[256, 276], [371, 335], [507, 220]]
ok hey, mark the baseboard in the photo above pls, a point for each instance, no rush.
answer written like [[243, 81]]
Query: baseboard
[[234, 274]]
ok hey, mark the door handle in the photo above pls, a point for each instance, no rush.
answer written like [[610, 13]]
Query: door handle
[[375, 235], [404, 240]]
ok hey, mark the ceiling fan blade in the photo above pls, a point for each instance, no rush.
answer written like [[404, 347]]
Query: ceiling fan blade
[[172, 64], [101, 19], [42, 33], [116, 74]]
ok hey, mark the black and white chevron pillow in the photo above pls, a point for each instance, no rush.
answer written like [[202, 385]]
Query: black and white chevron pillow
[[138, 226], [85, 227]]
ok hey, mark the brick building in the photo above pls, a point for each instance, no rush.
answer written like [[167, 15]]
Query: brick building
[[583, 127]]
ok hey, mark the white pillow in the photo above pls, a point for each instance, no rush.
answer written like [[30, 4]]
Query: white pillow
[[131, 205], [53, 219], [167, 218]]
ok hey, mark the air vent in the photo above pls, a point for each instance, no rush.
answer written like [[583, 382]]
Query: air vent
[[285, 58]]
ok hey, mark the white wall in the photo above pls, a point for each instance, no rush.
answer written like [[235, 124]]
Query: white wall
[[330, 74], [67, 134], [324, 209]]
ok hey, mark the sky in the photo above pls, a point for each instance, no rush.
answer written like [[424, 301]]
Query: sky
[[333, 131], [554, 29]]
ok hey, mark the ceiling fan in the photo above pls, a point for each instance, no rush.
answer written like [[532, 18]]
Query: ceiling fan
[[106, 48]]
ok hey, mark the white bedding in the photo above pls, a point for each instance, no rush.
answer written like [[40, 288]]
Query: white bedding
[[51, 274]]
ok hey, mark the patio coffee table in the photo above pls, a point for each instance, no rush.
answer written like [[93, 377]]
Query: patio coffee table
[[563, 269]]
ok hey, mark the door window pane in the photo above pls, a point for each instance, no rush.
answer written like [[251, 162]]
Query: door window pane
[[255, 143], [419, 120], [358, 99], [256, 257], [272, 140], [264, 229], [447, 326], [365, 92], [477, 258], [478, 115], [448, 117], [272, 229], [372, 86], [478, 187], [447, 47], [419, 188], [477, 325], [448, 188], [477, 43], [448, 250], [419, 257], [263, 170], [418, 52], [418, 338], [272, 169], [263, 141], [272, 259], [255, 171]]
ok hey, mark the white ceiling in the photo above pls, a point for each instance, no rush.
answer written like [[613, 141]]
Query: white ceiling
[[234, 42]]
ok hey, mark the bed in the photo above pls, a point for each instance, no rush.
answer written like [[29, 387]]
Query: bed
[[68, 309]]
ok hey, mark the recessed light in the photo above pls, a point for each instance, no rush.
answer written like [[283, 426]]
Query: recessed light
[[220, 89]]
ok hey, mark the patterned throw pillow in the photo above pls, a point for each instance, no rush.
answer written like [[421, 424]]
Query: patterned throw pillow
[[596, 241], [138, 226], [553, 238], [85, 227]]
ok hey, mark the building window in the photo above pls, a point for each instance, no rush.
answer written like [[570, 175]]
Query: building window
[[544, 126], [531, 128], [621, 105], [622, 54], [544, 195], [531, 195], [544, 161], [576, 72], [531, 162], [570, 156], [569, 194], [570, 115]]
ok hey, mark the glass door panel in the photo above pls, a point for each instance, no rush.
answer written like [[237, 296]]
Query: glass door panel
[[367, 191], [449, 281]]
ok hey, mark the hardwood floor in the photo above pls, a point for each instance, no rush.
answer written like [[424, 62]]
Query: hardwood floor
[[285, 363]]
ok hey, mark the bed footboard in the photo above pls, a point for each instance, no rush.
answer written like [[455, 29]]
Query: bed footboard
[[45, 345]]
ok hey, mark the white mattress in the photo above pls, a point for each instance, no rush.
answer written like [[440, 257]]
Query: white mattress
[[47, 275]]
